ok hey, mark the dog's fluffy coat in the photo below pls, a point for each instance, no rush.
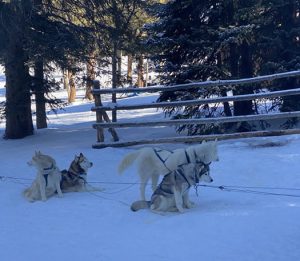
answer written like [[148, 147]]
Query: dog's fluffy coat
[[50, 180], [47, 181], [75, 178], [152, 162], [172, 193]]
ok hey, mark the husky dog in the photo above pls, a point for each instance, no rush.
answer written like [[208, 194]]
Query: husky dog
[[75, 179], [47, 182], [172, 192], [153, 162]]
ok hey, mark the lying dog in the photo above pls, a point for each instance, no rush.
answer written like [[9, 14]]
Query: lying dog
[[75, 179], [153, 162], [47, 182], [172, 193]]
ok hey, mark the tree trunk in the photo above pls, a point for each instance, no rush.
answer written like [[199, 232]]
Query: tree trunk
[[18, 104], [91, 76], [223, 91], [119, 68], [241, 67], [72, 87], [129, 69], [245, 71], [66, 81], [140, 69], [40, 101], [291, 103], [226, 105], [114, 79]]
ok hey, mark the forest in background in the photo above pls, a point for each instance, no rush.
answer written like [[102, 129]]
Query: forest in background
[[186, 40]]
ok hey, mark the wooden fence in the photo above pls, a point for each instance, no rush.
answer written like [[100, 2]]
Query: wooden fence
[[103, 121]]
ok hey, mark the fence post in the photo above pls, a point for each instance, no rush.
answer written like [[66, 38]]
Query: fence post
[[99, 116]]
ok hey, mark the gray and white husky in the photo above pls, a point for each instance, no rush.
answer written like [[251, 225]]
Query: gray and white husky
[[75, 178], [152, 162], [47, 181], [172, 194]]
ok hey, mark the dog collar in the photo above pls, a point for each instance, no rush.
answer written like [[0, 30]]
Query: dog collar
[[50, 168]]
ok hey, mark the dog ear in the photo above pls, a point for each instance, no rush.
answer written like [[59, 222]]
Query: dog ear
[[81, 155]]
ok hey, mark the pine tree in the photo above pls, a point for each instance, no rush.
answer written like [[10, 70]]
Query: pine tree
[[278, 45], [38, 33], [203, 40], [18, 105], [231, 39]]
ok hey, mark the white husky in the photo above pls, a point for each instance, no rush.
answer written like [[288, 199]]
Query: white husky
[[153, 162], [47, 181]]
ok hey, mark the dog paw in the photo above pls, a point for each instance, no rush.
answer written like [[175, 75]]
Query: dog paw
[[190, 204], [181, 210]]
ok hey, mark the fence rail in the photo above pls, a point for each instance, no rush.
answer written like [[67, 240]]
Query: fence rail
[[101, 111], [199, 84], [199, 102]]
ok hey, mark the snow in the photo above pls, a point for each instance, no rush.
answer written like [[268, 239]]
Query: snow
[[227, 226]]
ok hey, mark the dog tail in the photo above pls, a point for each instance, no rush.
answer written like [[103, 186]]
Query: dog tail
[[27, 193], [140, 204], [127, 161]]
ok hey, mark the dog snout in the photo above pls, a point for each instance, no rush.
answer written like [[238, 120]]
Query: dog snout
[[30, 163]]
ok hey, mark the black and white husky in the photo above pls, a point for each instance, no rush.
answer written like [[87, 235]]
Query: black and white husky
[[152, 162], [172, 194], [75, 178]]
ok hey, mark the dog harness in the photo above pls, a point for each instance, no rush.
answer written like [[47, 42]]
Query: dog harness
[[69, 176], [180, 172], [196, 160], [157, 151], [47, 171]]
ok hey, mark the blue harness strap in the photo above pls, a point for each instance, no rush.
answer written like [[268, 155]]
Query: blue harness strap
[[181, 173], [46, 178], [160, 158], [46, 175]]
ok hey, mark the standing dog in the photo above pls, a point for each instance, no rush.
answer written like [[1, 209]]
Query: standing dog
[[172, 193], [153, 162], [75, 179], [47, 182]]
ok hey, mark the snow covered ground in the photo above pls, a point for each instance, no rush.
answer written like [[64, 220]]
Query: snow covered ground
[[224, 226]]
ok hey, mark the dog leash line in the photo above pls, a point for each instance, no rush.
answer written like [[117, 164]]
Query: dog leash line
[[224, 188], [244, 189]]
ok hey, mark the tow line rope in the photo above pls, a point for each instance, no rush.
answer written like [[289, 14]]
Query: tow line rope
[[242, 189], [253, 190]]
